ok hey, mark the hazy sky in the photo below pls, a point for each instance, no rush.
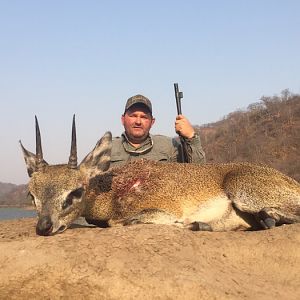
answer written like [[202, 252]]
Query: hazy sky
[[58, 58]]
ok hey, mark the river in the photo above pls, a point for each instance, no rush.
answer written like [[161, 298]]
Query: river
[[7, 213]]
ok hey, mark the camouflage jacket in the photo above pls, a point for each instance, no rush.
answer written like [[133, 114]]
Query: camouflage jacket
[[157, 148]]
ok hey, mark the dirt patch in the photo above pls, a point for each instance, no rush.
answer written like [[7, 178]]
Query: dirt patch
[[149, 261]]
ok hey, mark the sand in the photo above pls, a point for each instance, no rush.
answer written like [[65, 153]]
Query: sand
[[148, 262]]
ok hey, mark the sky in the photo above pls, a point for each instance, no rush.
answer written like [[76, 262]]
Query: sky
[[60, 57]]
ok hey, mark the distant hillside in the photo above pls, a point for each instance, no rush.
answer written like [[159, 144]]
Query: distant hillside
[[267, 132], [6, 188], [13, 195]]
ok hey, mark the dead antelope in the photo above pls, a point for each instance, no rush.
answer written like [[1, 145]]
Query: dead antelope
[[215, 197]]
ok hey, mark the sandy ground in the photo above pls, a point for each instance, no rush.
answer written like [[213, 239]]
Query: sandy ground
[[149, 262]]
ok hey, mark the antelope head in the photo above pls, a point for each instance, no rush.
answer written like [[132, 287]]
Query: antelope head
[[58, 191]]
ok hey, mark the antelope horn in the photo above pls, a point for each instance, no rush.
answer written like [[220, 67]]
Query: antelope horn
[[39, 161], [73, 154]]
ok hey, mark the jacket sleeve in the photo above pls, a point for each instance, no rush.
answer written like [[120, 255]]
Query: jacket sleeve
[[195, 151]]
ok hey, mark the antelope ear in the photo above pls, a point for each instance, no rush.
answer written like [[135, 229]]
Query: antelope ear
[[98, 160], [30, 160]]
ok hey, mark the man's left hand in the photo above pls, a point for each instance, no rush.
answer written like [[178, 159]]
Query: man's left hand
[[183, 127]]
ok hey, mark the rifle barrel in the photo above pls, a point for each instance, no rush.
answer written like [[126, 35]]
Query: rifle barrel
[[183, 153], [178, 97]]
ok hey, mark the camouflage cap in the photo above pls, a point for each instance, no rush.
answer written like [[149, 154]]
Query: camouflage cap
[[138, 99]]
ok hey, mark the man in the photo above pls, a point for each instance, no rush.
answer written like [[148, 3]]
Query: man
[[136, 142]]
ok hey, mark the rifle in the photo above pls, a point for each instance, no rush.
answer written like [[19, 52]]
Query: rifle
[[183, 149]]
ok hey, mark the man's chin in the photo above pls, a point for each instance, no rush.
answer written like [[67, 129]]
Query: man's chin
[[139, 135], [138, 138]]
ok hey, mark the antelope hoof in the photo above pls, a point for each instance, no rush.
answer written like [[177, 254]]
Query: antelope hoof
[[199, 226], [267, 218], [268, 223]]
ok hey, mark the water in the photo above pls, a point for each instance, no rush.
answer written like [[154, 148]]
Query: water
[[7, 213]]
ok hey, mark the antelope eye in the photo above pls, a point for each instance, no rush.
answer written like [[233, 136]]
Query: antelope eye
[[76, 194]]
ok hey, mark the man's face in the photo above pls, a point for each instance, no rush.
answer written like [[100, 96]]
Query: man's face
[[137, 122]]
